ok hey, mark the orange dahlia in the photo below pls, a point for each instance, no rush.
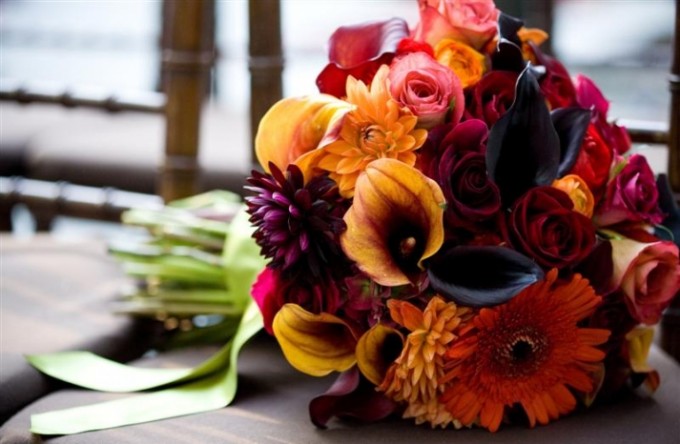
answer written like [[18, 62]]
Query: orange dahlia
[[413, 377], [528, 351], [377, 128]]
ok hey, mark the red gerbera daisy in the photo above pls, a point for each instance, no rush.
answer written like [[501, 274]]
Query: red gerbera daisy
[[528, 351]]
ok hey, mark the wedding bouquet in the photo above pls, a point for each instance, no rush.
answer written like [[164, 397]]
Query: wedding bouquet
[[454, 225]]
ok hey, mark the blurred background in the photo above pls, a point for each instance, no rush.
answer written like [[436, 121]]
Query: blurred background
[[110, 48]]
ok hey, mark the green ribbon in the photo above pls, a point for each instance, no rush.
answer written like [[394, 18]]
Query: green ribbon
[[209, 386]]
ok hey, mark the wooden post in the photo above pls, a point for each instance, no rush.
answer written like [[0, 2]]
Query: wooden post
[[674, 142], [265, 62], [187, 57]]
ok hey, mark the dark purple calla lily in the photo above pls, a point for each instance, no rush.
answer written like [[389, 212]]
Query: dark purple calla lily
[[350, 396], [359, 50]]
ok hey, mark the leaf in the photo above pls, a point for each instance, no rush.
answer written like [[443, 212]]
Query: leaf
[[212, 392], [353, 397], [523, 149], [571, 125], [482, 276]]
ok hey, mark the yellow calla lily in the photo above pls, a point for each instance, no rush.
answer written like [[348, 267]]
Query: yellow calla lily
[[394, 223], [376, 351], [315, 344], [297, 125], [639, 343]]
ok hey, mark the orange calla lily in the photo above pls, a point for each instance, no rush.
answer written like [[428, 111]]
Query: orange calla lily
[[394, 223], [297, 125], [376, 351], [315, 344]]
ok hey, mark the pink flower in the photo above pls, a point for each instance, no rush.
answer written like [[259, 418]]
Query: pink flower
[[631, 196], [473, 22], [427, 88], [648, 275], [271, 291], [589, 96]]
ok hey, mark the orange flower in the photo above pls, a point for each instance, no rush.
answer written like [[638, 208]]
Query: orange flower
[[529, 350], [465, 62], [413, 378], [535, 36], [395, 222], [579, 193], [376, 128]]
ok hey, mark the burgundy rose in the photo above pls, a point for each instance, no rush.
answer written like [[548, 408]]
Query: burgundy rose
[[271, 291], [454, 157], [543, 225], [631, 196], [556, 84], [490, 98], [593, 162], [590, 97]]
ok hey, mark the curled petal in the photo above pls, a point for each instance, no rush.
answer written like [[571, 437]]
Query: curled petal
[[295, 126], [376, 350], [394, 223], [315, 344], [359, 50]]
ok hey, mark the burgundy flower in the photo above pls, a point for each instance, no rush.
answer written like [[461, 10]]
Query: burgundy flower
[[454, 157], [556, 84], [631, 196], [491, 97], [543, 226], [297, 224], [359, 50]]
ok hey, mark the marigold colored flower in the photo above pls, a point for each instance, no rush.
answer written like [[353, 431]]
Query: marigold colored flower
[[413, 378], [530, 351], [377, 128], [579, 193], [464, 61]]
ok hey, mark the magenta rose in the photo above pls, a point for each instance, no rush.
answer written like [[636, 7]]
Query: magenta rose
[[631, 196], [473, 22], [648, 275], [491, 97], [270, 291], [427, 88], [589, 96], [543, 225], [454, 156]]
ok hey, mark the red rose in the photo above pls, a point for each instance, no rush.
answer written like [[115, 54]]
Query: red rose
[[543, 226], [593, 162], [454, 157], [491, 97], [271, 292], [631, 196]]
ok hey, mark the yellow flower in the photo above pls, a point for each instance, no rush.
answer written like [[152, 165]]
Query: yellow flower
[[414, 376], [377, 128], [579, 193], [468, 64]]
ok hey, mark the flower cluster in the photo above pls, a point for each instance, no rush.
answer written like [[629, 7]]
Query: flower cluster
[[457, 228]]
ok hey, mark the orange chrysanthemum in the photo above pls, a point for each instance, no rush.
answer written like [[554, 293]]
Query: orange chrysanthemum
[[413, 378], [377, 128], [528, 351]]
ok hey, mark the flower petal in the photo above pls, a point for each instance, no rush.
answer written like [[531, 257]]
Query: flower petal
[[394, 223], [315, 344], [376, 350], [297, 125]]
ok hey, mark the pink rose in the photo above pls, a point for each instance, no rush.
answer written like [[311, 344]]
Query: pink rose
[[473, 22], [648, 275], [631, 196], [427, 88]]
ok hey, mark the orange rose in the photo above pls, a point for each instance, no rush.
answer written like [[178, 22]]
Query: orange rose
[[578, 192], [465, 62]]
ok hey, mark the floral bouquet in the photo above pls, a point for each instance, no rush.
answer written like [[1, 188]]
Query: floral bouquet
[[456, 228]]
